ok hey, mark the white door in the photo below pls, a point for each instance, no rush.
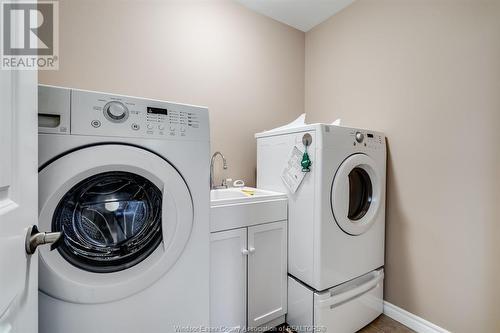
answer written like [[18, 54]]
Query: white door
[[267, 273], [18, 200], [228, 279]]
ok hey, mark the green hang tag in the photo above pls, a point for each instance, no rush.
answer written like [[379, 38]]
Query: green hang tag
[[306, 162]]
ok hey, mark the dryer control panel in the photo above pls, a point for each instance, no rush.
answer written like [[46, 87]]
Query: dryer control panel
[[355, 138], [370, 140], [95, 113]]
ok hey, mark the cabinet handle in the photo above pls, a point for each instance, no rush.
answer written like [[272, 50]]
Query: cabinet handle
[[251, 250], [244, 252]]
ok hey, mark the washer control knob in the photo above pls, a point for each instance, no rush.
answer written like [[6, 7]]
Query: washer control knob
[[116, 111], [359, 137]]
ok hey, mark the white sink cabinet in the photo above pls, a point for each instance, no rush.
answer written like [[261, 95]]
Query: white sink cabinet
[[248, 269]]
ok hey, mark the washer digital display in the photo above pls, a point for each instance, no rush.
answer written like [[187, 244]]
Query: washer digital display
[[152, 110]]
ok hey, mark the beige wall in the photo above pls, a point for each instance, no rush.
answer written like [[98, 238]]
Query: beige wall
[[427, 73], [248, 69]]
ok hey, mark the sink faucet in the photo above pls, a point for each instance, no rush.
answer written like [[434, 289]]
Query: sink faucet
[[224, 166]]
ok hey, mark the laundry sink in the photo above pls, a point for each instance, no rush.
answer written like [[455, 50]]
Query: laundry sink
[[240, 207], [240, 194], [226, 194]]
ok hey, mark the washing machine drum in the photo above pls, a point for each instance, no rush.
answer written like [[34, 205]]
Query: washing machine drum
[[356, 194], [126, 215], [110, 221]]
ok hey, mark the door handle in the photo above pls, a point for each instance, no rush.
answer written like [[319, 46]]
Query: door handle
[[251, 250], [244, 252], [35, 238]]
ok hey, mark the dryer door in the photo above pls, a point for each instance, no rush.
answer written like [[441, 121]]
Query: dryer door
[[126, 215], [356, 194]]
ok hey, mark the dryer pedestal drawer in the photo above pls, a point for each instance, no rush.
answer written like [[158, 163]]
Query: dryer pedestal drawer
[[342, 309]]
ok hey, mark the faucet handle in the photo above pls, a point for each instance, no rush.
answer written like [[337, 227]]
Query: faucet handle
[[226, 182]]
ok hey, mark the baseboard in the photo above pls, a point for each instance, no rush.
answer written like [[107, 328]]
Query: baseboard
[[410, 320]]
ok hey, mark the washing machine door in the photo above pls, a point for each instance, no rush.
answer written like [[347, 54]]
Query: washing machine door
[[356, 194], [126, 215]]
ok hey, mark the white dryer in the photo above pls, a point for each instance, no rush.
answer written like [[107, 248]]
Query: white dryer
[[126, 180], [337, 214]]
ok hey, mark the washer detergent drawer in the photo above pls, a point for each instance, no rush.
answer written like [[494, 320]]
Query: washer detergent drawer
[[350, 306]]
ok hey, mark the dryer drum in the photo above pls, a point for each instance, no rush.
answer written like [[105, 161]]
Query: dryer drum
[[111, 221], [360, 193]]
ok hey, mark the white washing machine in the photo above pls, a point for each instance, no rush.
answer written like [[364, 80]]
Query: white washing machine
[[126, 180], [336, 220]]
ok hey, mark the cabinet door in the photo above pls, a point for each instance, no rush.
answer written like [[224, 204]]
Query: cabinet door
[[228, 279], [267, 270]]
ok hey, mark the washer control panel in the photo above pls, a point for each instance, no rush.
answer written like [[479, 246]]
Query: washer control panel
[[94, 113]]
